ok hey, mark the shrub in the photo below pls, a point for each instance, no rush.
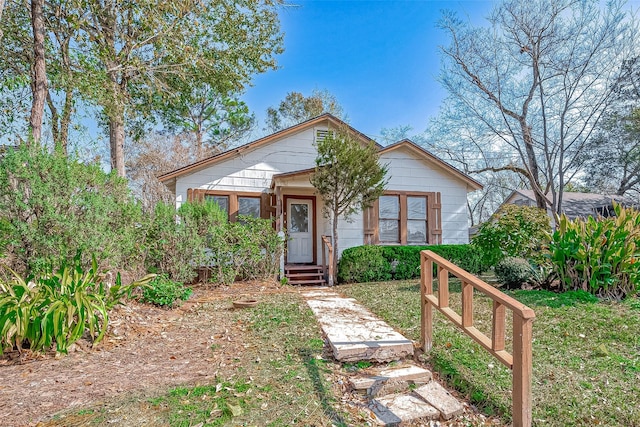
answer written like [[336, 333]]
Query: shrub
[[600, 256], [164, 292], [52, 206], [58, 307], [403, 261], [363, 264], [515, 231], [514, 272]]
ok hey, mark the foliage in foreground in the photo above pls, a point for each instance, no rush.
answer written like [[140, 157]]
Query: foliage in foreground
[[58, 307], [514, 231], [52, 206], [371, 263], [586, 364], [165, 292], [198, 235], [601, 256]]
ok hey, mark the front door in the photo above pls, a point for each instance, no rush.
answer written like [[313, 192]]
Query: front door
[[300, 231]]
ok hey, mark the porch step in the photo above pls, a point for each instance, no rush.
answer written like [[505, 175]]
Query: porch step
[[305, 274]]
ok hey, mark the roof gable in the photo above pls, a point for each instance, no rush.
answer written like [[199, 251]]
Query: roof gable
[[431, 159], [274, 137]]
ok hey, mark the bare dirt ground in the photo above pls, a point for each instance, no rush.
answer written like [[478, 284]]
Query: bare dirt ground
[[147, 349]]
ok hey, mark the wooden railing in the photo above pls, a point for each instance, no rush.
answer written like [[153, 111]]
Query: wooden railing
[[519, 360], [328, 266]]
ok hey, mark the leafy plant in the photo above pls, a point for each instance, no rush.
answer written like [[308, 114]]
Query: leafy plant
[[58, 307], [514, 272], [164, 292], [515, 231], [363, 264], [600, 256], [52, 206]]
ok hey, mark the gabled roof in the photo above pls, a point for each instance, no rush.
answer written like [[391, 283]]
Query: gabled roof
[[329, 118], [575, 204], [432, 159]]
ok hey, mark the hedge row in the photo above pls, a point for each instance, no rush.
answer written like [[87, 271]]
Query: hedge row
[[379, 263]]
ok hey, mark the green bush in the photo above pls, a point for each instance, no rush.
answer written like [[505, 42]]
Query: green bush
[[164, 292], [358, 264], [514, 272], [52, 206], [58, 307], [515, 231], [198, 235], [363, 264], [600, 256]]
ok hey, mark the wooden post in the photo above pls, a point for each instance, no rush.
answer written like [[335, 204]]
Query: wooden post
[[467, 305], [498, 327], [331, 272], [426, 310], [522, 362], [443, 287]]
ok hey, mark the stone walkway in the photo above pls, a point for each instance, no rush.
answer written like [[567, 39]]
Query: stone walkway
[[398, 393]]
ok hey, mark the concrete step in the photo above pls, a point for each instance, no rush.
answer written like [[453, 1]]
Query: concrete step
[[386, 380], [441, 399], [355, 334], [318, 282], [398, 409]]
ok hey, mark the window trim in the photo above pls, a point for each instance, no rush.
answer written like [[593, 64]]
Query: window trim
[[434, 219]]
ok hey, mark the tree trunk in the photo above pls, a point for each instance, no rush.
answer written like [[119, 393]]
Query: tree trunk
[[1, 9], [335, 247], [39, 82], [116, 142], [65, 122]]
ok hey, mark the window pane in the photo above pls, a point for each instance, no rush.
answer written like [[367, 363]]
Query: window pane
[[221, 201], [416, 207], [249, 206], [389, 207], [389, 231], [416, 231], [299, 219]]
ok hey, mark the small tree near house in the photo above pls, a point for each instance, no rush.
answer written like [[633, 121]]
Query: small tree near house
[[348, 177]]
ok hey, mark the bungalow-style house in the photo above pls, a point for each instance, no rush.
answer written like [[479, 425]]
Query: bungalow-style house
[[574, 204], [424, 202]]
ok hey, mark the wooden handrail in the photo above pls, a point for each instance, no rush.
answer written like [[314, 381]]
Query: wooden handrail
[[328, 267], [520, 358]]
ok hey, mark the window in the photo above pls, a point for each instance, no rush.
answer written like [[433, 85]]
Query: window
[[221, 201], [416, 219], [406, 218], [249, 206], [389, 219]]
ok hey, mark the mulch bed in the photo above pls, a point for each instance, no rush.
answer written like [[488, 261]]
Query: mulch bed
[[147, 349]]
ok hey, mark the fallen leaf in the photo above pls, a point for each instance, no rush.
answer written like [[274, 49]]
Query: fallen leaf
[[236, 410]]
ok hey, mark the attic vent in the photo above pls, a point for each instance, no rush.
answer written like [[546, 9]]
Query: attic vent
[[321, 134]]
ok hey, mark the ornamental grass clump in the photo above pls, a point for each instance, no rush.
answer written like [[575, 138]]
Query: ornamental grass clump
[[58, 307], [600, 256]]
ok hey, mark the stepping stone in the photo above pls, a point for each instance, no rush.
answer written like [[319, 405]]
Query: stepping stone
[[440, 399], [355, 334], [393, 410], [390, 380]]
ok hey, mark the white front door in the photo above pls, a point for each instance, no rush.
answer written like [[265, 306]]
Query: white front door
[[300, 230]]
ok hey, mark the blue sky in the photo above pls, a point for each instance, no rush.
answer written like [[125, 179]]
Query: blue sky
[[379, 58]]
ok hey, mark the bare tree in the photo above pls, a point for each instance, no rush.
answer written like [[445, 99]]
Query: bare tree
[[536, 82]]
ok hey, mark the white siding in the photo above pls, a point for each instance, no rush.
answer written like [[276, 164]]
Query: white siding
[[406, 173], [252, 171]]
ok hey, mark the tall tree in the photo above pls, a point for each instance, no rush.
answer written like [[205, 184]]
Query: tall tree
[[296, 108], [347, 176], [136, 46], [536, 83]]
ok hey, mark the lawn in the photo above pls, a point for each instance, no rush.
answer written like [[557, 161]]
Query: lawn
[[586, 354]]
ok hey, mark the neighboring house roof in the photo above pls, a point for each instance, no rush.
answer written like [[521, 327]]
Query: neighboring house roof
[[260, 142], [574, 204]]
